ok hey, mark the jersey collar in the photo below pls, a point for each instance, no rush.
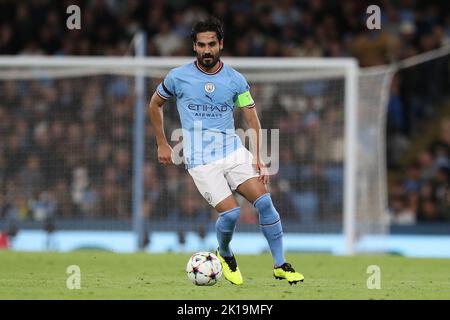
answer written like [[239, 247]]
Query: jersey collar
[[210, 73]]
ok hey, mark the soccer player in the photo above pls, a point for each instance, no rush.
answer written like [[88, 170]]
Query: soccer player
[[207, 91]]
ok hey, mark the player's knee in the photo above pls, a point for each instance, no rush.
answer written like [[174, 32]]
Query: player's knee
[[267, 212], [227, 220]]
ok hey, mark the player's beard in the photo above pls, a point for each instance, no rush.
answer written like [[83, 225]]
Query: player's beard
[[208, 63]]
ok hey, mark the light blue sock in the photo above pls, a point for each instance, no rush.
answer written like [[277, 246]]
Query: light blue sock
[[225, 226], [270, 223]]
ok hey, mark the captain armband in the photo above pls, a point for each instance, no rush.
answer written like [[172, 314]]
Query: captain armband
[[244, 100]]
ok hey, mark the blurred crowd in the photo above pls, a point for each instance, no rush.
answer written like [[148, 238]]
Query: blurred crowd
[[423, 193], [64, 152], [252, 27], [60, 155], [67, 153]]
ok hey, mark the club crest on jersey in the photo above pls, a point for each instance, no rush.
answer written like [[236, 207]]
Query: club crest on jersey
[[208, 197], [209, 87]]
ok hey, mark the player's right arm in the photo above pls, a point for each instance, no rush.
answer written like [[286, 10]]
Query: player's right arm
[[156, 117]]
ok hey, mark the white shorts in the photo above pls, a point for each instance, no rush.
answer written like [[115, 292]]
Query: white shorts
[[217, 180]]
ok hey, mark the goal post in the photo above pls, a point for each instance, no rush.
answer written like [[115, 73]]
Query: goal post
[[351, 154], [318, 102]]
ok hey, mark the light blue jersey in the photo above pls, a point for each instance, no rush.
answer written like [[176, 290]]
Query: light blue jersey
[[205, 102]]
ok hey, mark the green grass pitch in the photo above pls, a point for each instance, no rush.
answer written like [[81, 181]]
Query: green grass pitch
[[107, 275]]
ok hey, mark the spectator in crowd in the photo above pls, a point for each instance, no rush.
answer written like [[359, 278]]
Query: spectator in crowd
[[426, 185], [401, 213]]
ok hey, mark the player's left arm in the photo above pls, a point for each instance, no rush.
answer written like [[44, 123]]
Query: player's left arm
[[252, 119]]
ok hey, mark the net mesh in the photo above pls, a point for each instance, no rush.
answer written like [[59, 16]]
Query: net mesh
[[67, 151], [372, 217]]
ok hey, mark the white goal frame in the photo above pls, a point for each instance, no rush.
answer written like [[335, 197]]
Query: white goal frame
[[351, 72]]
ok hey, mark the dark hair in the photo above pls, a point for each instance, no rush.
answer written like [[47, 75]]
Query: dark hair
[[211, 24]]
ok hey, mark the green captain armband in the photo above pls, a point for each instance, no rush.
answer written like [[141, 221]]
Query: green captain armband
[[244, 100]]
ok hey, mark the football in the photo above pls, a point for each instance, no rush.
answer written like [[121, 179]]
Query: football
[[204, 269]]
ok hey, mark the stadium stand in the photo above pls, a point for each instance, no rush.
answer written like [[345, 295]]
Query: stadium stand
[[281, 28]]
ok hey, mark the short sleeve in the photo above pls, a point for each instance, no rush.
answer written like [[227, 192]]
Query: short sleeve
[[166, 89], [243, 97]]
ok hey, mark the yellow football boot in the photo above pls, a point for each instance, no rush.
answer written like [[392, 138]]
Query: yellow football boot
[[230, 269], [287, 272]]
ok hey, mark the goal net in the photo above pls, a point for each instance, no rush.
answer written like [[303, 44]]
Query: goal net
[[73, 148]]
